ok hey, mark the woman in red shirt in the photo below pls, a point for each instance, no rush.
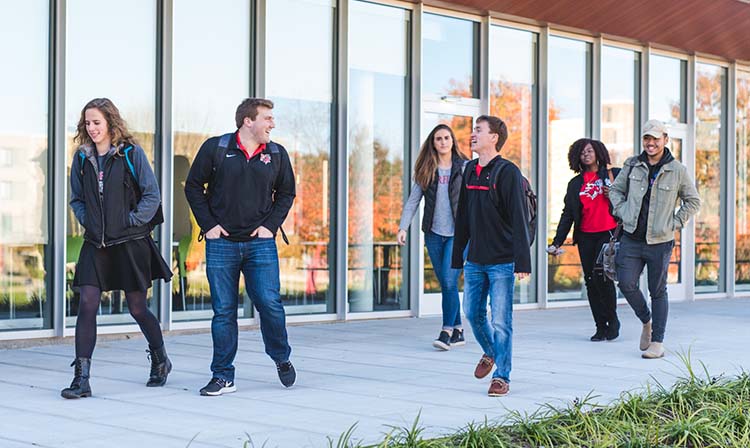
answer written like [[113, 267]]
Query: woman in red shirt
[[587, 208]]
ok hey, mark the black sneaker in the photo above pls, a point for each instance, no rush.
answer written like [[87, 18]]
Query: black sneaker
[[218, 386], [457, 338], [287, 374], [443, 342]]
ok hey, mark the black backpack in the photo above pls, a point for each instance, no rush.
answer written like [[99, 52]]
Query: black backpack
[[530, 196]]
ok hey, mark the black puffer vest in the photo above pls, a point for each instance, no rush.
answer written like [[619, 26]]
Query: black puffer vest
[[454, 191], [108, 217]]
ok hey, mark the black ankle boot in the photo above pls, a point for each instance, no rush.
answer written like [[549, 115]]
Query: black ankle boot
[[79, 388], [600, 335], [160, 366]]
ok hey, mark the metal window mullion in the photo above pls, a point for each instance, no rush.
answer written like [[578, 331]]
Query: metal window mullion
[[165, 142], [596, 89], [541, 166], [687, 248], [415, 256], [341, 83], [731, 184], [260, 48], [484, 65], [58, 179]]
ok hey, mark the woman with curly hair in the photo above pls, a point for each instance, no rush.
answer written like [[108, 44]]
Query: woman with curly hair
[[438, 176], [115, 197], [588, 209]]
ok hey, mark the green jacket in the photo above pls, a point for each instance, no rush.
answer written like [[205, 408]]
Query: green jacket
[[673, 201]]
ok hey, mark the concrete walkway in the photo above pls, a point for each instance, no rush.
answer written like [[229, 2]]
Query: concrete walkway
[[374, 374]]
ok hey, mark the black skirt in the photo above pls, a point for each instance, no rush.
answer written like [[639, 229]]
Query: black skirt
[[130, 266]]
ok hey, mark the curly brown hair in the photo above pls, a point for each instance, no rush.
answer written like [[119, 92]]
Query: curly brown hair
[[118, 130], [574, 153], [427, 160]]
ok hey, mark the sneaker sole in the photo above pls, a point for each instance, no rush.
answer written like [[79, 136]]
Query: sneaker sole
[[458, 344], [224, 390], [496, 395], [441, 345]]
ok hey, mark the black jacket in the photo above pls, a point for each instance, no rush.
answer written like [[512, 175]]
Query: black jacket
[[117, 215], [571, 214], [494, 235], [454, 191], [241, 194]]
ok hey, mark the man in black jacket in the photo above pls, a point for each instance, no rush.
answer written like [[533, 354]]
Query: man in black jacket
[[240, 188], [498, 237]]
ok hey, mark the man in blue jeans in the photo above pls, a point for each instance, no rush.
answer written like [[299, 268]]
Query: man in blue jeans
[[496, 231], [249, 189]]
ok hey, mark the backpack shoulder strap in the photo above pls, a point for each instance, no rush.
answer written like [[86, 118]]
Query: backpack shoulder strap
[[221, 150], [494, 176], [129, 162], [83, 160]]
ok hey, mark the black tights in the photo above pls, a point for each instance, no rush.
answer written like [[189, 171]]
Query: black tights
[[86, 323]]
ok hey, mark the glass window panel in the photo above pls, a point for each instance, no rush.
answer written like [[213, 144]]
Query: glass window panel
[[709, 97], [449, 56], [513, 90], [378, 76], [24, 186], [204, 103], [569, 118], [129, 80], [303, 112], [742, 224], [667, 89], [620, 92]]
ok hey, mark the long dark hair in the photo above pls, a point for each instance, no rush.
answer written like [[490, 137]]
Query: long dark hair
[[427, 160], [574, 153]]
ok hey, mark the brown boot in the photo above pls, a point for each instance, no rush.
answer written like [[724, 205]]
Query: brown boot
[[484, 367], [645, 336]]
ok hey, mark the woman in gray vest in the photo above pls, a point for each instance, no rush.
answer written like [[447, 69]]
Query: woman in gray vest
[[437, 177]]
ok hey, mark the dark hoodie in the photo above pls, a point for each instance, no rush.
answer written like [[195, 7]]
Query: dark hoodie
[[653, 171]]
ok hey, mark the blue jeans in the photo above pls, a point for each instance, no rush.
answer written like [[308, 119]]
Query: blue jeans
[[258, 262], [440, 249], [495, 337]]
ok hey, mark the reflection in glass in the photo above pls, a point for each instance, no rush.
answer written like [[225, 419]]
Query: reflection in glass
[[674, 274], [90, 73], [513, 90], [200, 113], [620, 85], [709, 115], [667, 89], [377, 136], [569, 118], [461, 126], [24, 186], [742, 225], [449, 56], [303, 112]]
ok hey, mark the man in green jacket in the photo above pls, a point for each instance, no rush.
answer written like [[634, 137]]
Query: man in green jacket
[[654, 196]]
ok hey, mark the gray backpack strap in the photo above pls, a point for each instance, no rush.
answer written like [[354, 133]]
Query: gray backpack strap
[[221, 151]]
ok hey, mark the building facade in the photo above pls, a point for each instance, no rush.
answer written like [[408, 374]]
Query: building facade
[[357, 85]]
